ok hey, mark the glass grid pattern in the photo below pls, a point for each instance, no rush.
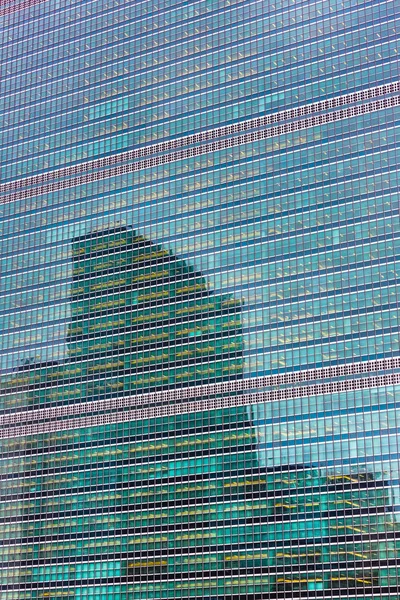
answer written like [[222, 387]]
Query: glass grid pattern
[[268, 256]]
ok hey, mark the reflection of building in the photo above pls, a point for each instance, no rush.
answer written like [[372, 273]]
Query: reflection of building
[[183, 502], [142, 320], [162, 438], [147, 319]]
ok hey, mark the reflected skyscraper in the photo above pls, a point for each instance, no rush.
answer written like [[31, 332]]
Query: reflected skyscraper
[[199, 300], [141, 319]]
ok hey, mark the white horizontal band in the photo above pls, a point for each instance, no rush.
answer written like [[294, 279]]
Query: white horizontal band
[[173, 399], [56, 176]]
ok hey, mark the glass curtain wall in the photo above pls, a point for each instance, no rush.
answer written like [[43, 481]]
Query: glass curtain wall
[[199, 300]]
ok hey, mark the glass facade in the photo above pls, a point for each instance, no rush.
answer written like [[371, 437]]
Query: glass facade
[[199, 299]]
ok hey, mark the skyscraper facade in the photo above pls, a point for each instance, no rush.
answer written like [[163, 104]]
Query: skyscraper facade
[[199, 299]]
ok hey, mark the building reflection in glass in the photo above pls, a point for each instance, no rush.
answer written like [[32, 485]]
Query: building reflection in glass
[[237, 502], [142, 319]]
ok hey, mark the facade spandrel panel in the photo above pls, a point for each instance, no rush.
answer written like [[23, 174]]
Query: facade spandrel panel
[[199, 300]]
